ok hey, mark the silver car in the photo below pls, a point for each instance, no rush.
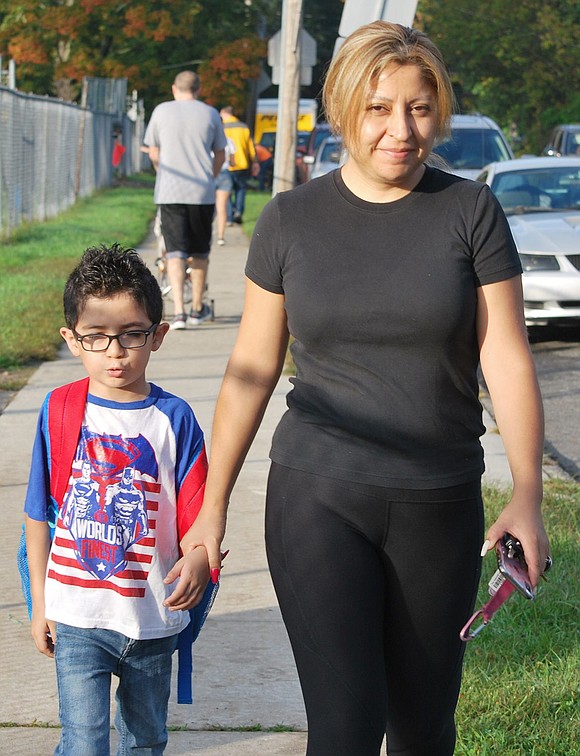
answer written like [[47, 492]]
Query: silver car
[[541, 198], [328, 157]]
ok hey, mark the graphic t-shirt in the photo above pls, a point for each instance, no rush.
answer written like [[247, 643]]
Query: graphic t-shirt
[[136, 465]]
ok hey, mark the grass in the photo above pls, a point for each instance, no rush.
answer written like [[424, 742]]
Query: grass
[[255, 201], [522, 674], [36, 259]]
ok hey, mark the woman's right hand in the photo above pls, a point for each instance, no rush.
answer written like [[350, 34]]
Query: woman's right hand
[[208, 530]]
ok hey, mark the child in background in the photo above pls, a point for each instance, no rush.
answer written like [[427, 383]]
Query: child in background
[[110, 592]]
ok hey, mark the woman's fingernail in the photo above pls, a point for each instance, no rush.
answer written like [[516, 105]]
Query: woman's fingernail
[[215, 575], [485, 548]]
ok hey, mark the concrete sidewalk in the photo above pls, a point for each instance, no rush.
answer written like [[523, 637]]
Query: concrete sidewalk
[[245, 686]]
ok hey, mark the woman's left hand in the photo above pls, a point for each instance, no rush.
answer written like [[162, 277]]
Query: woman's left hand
[[524, 522]]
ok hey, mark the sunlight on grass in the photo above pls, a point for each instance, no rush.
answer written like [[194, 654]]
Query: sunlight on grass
[[255, 202], [522, 674], [36, 260]]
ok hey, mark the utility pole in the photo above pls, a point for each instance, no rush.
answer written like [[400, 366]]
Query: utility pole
[[288, 97]]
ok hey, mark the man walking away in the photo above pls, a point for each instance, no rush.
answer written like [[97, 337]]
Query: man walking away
[[186, 144], [244, 162]]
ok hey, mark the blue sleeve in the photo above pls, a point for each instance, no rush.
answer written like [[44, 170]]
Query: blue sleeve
[[190, 447], [38, 500]]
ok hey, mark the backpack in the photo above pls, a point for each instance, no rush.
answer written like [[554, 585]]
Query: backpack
[[66, 407]]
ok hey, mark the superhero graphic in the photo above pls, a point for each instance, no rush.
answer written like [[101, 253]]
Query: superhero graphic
[[106, 507], [83, 498], [128, 504]]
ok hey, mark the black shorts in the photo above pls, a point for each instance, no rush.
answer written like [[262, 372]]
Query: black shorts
[[187, 229]]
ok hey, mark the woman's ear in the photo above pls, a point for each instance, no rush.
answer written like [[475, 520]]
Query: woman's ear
[[71, 341]]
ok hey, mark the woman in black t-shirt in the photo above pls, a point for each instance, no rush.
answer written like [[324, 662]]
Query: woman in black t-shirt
[[395, 280]]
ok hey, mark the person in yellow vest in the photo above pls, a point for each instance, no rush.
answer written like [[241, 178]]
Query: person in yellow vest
[[245, 162]]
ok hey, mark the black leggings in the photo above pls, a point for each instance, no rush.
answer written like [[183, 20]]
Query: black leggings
[[374, 586]]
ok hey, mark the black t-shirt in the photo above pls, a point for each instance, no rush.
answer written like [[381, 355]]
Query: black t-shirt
[[381, 300]]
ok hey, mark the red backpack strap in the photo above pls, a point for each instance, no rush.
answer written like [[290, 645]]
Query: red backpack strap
[[66, 409]]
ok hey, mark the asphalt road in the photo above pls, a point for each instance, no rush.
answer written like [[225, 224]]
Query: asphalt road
[[557, 357]]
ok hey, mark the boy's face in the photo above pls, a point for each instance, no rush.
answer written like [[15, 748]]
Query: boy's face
[[118, 373]]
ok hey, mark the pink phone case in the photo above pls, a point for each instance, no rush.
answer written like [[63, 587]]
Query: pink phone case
[[514, 569]]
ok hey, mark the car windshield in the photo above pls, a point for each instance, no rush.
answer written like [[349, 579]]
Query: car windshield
[[572, 143], [268, 139], [472, 148], [538, 189]]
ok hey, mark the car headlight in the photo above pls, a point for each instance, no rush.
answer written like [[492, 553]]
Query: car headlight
[[533, 263]]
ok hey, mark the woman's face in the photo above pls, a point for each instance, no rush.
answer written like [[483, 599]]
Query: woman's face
[[397, 132]]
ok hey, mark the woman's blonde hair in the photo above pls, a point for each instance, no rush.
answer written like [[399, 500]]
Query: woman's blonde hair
[[355, 70]]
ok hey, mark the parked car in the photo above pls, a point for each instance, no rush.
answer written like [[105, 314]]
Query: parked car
[[475, 141], [308, 149], [564, 140], [541, 198], [268, 141], [328, 157]]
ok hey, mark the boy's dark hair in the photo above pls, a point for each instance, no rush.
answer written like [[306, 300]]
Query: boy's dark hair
[[106, 271]]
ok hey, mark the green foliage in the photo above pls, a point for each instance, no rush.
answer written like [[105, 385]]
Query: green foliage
[[57, 42], [516, 62], [36, 260], [520, 686], [229, 70]]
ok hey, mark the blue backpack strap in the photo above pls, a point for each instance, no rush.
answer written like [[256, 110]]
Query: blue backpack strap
[[187, 638]]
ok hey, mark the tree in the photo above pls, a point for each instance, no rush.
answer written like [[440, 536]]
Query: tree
[[229, 69], [55, 43], [517, 62]]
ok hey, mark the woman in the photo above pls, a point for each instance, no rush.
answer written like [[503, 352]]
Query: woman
[[223, 189], [395, 279]]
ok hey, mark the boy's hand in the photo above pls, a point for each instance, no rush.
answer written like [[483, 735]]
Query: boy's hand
[[44, 634], [193, 573]]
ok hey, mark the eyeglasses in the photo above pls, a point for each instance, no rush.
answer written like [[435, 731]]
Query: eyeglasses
[[100, 342]]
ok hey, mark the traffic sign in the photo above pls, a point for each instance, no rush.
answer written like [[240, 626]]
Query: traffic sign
[[359, 12], [307, 56]]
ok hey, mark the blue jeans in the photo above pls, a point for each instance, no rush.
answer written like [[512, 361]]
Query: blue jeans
[[85, 660], [237, 201]]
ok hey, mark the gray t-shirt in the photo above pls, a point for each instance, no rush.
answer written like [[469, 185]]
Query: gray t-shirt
[[381, 300], [187, 132]]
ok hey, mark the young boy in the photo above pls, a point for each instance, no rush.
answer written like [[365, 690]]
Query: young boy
[[104, 596]]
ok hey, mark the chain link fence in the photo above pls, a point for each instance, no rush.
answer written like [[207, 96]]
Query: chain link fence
[[53, 152]]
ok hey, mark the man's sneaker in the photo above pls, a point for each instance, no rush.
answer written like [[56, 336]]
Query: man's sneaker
[[179, 322], [198, 316]]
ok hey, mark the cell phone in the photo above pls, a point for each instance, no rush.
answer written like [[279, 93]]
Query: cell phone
[[512, 564]]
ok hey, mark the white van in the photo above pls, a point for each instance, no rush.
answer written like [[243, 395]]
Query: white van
[[475, 141]]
